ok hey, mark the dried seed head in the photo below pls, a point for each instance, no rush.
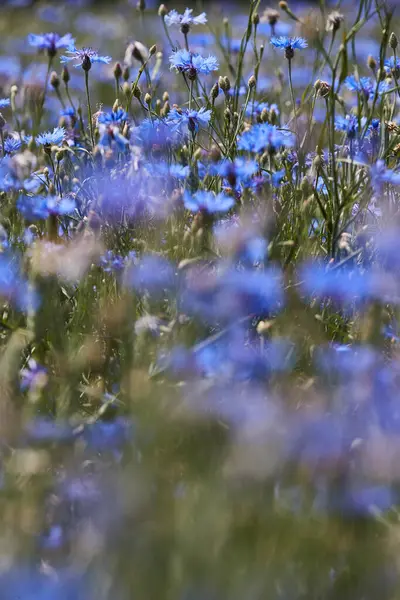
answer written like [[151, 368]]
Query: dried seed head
[[334, 21], [54, 80], [252, 82], [371, 62], [271, 16]]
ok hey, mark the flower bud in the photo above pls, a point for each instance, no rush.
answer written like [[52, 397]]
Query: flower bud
[[147, 98], [136, 91], [65, 76], [86, 63], [126, 74], [162, 11], [393, 41], [252, 82], [283, 5], [165, 97], [117, 70], [153, 50], [2, 121], [54, 80], [371, 62], [255, 19], [141, 5], [214, 91]]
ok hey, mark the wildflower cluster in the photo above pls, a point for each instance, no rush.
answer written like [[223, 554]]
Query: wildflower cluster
[[200, 294]]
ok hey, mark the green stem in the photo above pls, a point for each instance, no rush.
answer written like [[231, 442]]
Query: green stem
[[89, 106]]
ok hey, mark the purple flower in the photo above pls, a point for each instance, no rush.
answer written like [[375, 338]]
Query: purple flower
[[192, 64], [192, 119], [208, 202], [51, 42], [12, 144], [380, 175], [4, 102], [84, 58], [174, 18]]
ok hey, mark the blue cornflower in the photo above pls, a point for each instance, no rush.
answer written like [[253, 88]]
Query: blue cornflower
[[51, 42], [52, 138], [174, 18], [164, 169], [154, 134], [264, 136], [111, 136], [12, 144], [365, 86], [84, 57], [34, 376], [349, 124], [237, 171], [111, 262], [380, 175], [41, 207], [185, 61], [208, 202], [13, 286], [4, 102], [289, 44], [112, 118], [392, 65], [193, 119]]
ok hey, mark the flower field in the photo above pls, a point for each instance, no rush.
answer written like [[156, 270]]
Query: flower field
[[199, 301]]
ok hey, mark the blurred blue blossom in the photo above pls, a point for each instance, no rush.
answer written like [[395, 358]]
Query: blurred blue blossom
[[208, 202], [41, 207], [264, 136], [51, 42]]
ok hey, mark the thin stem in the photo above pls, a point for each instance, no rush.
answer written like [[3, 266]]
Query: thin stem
[[89, 106]]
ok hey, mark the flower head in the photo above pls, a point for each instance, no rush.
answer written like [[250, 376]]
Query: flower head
[[51, 42], [349, 124], [289, 44], [52, 138], [264, 136], [185, 20], [12, 144], [4, 102], [110, 136], [365, 86], [41, 207], [185, 61], [192, 119], [208, 202], [112, 118], [84, 57]]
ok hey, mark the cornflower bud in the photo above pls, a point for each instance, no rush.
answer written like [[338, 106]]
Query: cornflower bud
[[126, 73], [141, 5], [54, 80], [162, 11], [393, 41], [136, 91], [117, 70], [126, 88], [322, 88], [264, 115], [147, 98], [273, 116], [115, 105], [2, 121], [214, 91], [252, 82], [165, 97], [371, 62], [153, 50], [158, 105], [283, 5], [65, 76], [255, 19]]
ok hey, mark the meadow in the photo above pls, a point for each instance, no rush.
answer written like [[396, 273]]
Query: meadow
[[199, 301]]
